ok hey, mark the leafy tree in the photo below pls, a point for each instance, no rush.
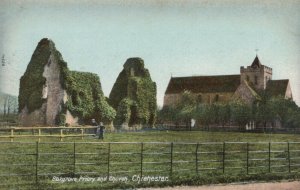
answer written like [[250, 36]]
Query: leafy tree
[[263, 110], [293, 119], [224, 114], [167, 113], [241, 113], [282, 109], [186, 107], [204, 114]]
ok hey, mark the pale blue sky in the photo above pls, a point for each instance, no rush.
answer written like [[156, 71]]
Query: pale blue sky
[[179, 37]]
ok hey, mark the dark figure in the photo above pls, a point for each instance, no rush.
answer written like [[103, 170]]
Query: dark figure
[[94, 123], [101, 131]]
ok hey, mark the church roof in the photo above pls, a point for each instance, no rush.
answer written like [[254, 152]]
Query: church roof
[[256, 63], [203, 84], [277, 87]]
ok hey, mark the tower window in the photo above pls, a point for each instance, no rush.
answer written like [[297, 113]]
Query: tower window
[[247, 78], [256, 80]]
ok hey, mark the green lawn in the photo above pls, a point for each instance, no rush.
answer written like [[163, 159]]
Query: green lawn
[[240, 162], [175, 136], [198, 136]]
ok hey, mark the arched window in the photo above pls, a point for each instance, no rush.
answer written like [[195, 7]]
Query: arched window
[[256, 80], [247, 78]]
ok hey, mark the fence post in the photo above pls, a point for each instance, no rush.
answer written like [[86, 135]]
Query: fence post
[[197, 158], [269, 157], [36, 162], [223, 157], [142, 149], [108, 160], [74, 159], [61, 134], [247, 158], [39, 135], [12, 135], [82, 133], [171, 169], [289, 157]]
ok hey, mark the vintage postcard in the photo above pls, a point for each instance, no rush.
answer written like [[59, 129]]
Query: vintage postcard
[[170, 94]]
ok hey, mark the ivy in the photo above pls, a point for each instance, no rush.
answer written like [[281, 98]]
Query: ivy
[[31, 83], [85, 96], [134, 95]]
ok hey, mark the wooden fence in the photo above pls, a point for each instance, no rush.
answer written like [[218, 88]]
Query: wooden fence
[[39, 132], [39, 162], [284, 130]]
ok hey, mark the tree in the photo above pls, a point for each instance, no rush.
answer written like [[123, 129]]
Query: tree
[[293, 119], [240, 113], [282, 109], [204, 114], [167, 114], [263, 111], [224, 114], [186, 107]]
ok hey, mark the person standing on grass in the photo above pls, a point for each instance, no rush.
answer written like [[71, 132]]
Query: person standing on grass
[[101, 131]]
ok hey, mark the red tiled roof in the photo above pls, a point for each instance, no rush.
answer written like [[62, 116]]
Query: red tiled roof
[[277, 87], [204, 84]]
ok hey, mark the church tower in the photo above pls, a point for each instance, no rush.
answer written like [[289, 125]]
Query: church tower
[[257, 75]]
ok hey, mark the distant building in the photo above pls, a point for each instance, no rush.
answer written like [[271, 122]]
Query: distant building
[[246, 86]]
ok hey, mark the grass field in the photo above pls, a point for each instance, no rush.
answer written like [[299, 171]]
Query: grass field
[[211, 164], [176, 136]]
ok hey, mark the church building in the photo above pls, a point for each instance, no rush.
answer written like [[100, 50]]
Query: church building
[[245, 86]]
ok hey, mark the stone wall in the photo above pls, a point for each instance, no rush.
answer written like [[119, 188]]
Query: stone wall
[[134, 96], [35, 118], [208, 98], [245, 94], [288, 93], [55, 92], [53, 95], [257, 77]]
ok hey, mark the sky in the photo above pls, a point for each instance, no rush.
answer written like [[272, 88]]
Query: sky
[[174, 38]]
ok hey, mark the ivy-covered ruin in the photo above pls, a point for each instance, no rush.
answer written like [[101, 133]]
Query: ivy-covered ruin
[[50, 93], [134, 95]]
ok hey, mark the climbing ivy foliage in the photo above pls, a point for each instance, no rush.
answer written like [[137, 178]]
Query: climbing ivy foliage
[[31, 83], [85, 97], [134, 95]]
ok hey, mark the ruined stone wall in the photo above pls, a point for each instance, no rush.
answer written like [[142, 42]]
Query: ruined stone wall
[[134, 95], [51, 95], [35, 118], [55, 92]]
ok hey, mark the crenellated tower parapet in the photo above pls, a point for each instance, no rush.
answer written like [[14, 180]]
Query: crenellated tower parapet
[[257, 75]]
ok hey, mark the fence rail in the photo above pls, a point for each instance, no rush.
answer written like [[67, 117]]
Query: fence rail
[[40, 161], [40, 132], [85, 131], [214, 128]]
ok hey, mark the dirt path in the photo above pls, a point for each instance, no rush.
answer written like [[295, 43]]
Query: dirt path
[[295, 185]]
